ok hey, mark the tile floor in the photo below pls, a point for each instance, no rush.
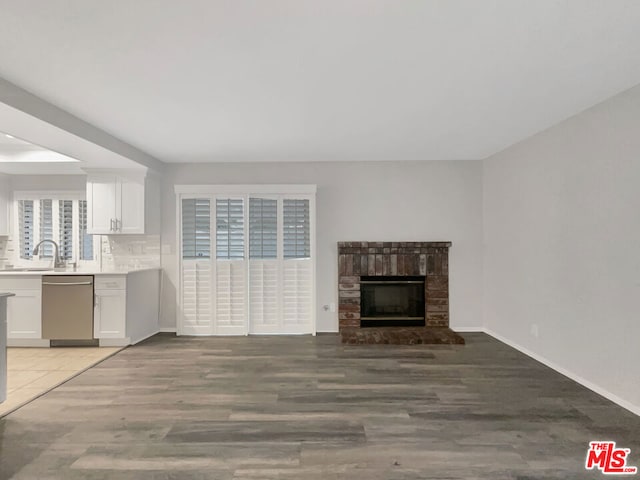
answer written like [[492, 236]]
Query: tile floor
[[34, 371]]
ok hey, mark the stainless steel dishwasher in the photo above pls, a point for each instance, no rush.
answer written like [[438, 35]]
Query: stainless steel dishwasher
[[67, 307]]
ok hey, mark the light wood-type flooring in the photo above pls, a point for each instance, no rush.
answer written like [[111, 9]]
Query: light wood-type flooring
[[310, 408]]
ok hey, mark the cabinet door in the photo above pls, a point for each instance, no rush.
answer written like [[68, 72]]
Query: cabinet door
[[24, 314], [101, 204], [130, 206], [109, 314]]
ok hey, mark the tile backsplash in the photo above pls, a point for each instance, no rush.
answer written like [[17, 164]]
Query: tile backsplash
[[126, 252], [116, 252]]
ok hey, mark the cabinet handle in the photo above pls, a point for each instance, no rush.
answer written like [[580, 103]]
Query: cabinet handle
[[111, 229], [118, 225]]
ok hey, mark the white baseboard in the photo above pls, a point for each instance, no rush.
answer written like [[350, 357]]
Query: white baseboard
[[168, 330], [635, 409]]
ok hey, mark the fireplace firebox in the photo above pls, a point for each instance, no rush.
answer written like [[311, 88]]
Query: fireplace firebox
[[392, 301]]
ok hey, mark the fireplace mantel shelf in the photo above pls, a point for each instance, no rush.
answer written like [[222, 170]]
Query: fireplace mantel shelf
[[438, 244]]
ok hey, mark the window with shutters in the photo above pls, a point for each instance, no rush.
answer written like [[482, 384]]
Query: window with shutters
[[61, 218], [247, 260], [229, 229], [196, 228]]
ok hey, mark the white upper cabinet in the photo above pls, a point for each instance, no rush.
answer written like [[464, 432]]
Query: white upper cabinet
[[130, 206], [101, 204], [4, 206], [121, 203]]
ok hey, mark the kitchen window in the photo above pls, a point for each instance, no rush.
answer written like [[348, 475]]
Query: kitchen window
[[61, 217]]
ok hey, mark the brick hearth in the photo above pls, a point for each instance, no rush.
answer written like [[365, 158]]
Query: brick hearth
[[429, 259]]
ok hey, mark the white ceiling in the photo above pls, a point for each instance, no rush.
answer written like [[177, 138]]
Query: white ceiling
[[18, 156], [302, 80]]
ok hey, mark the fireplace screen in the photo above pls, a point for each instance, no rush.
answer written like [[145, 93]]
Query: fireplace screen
[[392, 301]]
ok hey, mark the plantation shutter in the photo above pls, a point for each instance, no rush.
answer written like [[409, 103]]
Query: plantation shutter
[[196, 266], [26, 227], [297, 230], [196, 297], [46, 228], [230, 229], [297, 291], [230, 267], [196, 228], [264, 268], [65, 229], [230, 297], [85, 241], [263, 228]]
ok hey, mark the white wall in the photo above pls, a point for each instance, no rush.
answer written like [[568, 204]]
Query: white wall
[[562, 246], [406, 201], [48, 182]]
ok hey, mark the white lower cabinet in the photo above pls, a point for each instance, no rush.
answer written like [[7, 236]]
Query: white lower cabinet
[[24, 314], [110, 312], [24, 310]]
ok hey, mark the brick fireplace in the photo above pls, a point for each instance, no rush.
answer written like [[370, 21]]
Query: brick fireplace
[[394, 259]]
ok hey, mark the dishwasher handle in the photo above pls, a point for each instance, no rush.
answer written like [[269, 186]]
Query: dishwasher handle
[[67, 283]]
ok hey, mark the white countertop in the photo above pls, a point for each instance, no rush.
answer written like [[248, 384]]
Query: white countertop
[[13, 273], [2, 295]]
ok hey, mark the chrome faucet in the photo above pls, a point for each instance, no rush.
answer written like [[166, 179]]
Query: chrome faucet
[[57, 261]]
